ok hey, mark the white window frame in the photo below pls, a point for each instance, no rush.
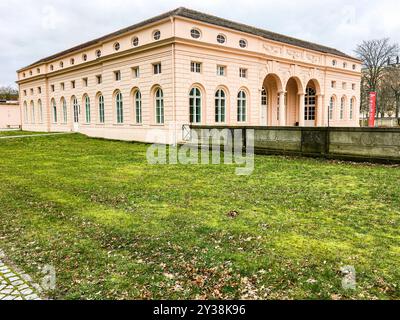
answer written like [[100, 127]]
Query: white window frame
[[243, 73], [195, 103], [159, 106], [138, 107], [119, 104], [242, 106], [157, 68], [221, 70], [220, 106], [101, 109], [195, 67]]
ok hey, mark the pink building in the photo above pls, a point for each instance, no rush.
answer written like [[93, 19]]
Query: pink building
[[10, 115], [187, 67]]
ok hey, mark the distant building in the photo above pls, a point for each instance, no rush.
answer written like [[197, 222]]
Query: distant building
[[186, 67], [10, 115]]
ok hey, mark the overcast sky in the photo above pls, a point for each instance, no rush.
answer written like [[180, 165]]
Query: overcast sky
[[33, 29]]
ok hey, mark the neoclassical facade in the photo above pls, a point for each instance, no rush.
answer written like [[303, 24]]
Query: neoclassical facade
[[185, 67]]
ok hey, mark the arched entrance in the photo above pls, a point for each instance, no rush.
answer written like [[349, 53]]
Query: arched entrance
[[271, 90], [294, 90], [312, 114]]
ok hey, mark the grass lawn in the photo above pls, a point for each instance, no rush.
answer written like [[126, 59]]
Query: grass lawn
[[115, 227]]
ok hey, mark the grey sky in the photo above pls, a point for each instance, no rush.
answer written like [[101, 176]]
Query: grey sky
[[33, 29]]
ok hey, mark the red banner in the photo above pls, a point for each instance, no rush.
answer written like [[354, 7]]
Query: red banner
[[372, 108]]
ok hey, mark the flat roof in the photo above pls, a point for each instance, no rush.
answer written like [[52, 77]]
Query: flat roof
[[210, 19]]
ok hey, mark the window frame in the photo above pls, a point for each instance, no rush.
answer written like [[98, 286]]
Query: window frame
[[195, 67], [117, 75], [159, 106], [223, 68], [157, 68], [243, 73], [195, 105], [135, 41], [221, 38], [242, 106], [195, 33], [156, 35], [101, 108], [87, 110], [138, 107], [65, 110], [243, 43], [119, 105], [54, 111], [220, 106], [310, 104]]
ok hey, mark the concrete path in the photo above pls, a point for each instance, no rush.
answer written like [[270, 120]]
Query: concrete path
[[34, 135], [15, 285]]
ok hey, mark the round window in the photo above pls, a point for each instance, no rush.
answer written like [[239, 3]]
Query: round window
[[135, 41], [243, 43], [84, 57], [334, 62], [117, 46], [61, 64], [157, 35], [72, 61], [98, 53], [221, 39], [195, 34]]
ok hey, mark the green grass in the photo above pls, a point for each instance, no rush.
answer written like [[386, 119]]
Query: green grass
[[115, 227]]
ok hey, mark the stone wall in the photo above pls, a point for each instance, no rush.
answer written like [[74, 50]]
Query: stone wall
[[357, 144]]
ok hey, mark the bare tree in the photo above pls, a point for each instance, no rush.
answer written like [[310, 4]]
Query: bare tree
[[375, 54], [8, 93], [392, 81]]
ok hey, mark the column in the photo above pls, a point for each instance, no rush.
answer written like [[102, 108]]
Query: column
[[282, 109], [301, 109], [321, 112]]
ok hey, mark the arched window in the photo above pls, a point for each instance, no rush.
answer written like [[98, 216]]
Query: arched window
[[87, 109], [40, 111], [342, 106], [54, 107], [159, 104], [138, 107], [351, 113], [25, 112], [220, 105], [310, 103], [195, 105], [241, 104], [76, 110], [65, 111], [119, 104], [33, 112], [264, 97], [101, 109], [331, 108]]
